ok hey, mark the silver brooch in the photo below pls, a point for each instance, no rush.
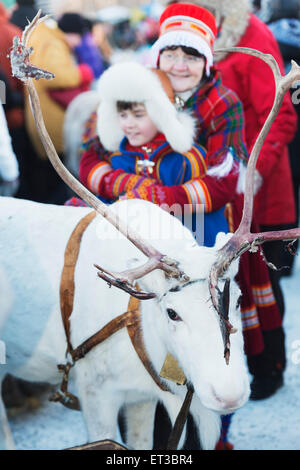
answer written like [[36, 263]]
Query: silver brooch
[[145, 164]]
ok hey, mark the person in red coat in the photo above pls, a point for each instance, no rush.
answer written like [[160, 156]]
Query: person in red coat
[[220, 129], [253, 82]]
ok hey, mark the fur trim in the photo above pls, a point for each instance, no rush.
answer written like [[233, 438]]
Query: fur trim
[[133, 82], [183, 38], [220, 171], [240, 188], [241, 184], [234, 15]]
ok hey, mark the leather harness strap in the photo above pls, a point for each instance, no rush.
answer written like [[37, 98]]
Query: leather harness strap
[[67, 285], [127, 319], [130, 319]]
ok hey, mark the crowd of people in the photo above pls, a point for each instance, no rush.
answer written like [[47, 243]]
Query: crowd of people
[[178, 133]]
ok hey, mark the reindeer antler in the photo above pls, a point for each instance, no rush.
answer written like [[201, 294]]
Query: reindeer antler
[[24, 70], [243, 240]]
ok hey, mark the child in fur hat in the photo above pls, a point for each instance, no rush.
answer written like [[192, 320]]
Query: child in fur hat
[[145, 147]]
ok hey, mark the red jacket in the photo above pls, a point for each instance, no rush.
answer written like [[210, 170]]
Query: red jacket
[[110, 175], [253, 82], [7, 32]]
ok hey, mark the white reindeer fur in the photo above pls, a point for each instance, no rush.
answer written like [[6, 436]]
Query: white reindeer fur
[[32, 244]]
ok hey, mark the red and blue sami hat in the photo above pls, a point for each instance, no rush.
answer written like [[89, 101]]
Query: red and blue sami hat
[[185, 24]]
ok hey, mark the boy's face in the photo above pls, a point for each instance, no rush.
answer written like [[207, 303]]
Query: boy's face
[[137, 126]]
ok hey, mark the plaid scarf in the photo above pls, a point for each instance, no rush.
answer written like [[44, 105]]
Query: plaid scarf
[[220, 121]]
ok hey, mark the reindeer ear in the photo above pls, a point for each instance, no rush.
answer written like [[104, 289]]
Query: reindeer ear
[[155, 281]]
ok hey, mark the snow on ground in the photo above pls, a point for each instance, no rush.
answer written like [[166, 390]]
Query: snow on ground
[[271, 424], [274, 423]]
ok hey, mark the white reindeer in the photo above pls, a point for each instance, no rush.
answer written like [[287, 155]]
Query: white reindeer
[[33, 241], [183, 317]]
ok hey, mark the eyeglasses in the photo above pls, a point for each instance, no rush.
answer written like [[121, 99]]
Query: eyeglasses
[[173, 58]]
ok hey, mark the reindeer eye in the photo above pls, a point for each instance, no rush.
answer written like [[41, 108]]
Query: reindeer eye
[[173, 315]]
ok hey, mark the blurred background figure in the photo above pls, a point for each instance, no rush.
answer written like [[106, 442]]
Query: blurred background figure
[[14, 101], [145, 20], [271, 10], [24, 12], [9, 171], [54, 51], [100, 32], [119, 32], [78, 31], [7, 32]]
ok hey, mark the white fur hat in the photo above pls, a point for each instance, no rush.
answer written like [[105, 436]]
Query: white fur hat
[[132, 82]]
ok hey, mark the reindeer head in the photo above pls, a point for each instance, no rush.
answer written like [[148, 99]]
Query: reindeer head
[[190, 326], [180, 318]]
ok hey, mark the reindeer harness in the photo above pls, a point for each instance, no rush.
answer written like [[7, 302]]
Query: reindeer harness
[[131, 319]]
